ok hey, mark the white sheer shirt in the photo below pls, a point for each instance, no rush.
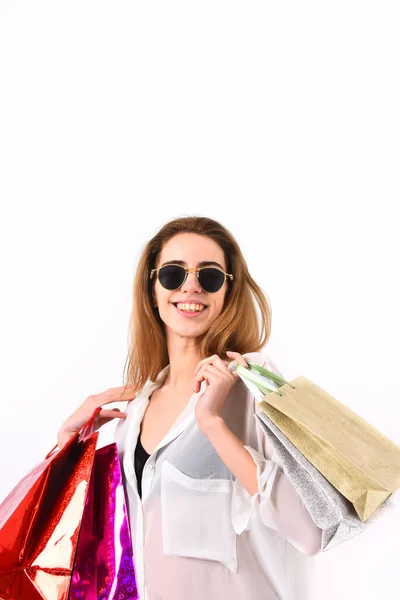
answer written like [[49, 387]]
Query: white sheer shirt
[[196, 532]]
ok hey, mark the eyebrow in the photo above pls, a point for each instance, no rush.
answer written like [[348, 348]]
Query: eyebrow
[[204, 263]]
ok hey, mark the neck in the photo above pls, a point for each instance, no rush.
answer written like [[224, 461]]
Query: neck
[[183, 359]]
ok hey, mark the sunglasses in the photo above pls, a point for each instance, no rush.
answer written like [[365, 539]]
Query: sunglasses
[[172, 277]]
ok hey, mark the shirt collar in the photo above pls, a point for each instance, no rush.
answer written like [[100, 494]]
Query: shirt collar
[[139, 407]]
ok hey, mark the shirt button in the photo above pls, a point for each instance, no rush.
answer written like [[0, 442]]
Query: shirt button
[[150, 467]]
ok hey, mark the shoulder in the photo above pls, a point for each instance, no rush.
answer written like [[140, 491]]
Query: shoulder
[[124, 426]]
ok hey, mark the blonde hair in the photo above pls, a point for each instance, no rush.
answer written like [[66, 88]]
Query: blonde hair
[[236, 328]]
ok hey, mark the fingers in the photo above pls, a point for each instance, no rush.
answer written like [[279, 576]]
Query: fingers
[[214, 360], [115, 394], [107, 415], [238, 357], [123, 392], [212, 373], [205, 373], [85, 412], [112, 413], [62, 439]]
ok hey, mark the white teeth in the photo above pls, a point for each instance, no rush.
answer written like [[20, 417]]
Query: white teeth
[[191, 307]]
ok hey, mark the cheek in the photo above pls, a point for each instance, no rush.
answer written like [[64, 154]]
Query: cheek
[[161, 294], [219, 304]]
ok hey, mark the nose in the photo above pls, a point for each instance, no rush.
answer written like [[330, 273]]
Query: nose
[[192, 282]]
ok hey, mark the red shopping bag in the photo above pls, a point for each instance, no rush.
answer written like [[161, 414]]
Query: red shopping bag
[[41, 523]]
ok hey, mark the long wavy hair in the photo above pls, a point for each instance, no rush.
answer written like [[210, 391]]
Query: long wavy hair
[[237, 328]]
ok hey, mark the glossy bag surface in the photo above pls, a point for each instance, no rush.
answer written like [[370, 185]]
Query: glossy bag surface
[[104, 565], [40, 521], [64, 532]]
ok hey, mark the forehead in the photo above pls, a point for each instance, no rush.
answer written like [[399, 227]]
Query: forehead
[[192, 249]]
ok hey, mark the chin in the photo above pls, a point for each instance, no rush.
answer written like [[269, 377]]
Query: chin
[[192, 331], [189, 330]]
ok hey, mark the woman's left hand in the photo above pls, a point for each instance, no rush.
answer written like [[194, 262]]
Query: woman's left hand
[[219, 383]]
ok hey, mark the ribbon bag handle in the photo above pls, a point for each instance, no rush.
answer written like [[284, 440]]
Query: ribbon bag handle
[[83, 433], [260, 381], [51, 452], [87, 428]]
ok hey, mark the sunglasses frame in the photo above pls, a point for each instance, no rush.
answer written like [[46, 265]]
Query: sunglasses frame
[[187, 271]]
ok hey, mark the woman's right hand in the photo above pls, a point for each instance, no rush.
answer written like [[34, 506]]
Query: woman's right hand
[[83, 413]]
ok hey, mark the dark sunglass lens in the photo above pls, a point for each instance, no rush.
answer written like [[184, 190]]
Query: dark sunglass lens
[[211, 280], [171, 276]]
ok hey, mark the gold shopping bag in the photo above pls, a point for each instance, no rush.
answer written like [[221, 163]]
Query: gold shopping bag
[[357, 459]]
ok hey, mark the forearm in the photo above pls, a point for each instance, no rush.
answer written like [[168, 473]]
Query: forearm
[[284, 511], [233, 453]]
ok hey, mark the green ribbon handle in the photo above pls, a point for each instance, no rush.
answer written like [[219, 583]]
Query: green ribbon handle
[[260, 381]]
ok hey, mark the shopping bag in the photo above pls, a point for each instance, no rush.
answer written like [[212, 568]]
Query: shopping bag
[[104, 566], [357, 459], [328, 508], [41, 519]]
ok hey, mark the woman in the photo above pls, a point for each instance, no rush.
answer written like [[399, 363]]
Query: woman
[[211, 512]]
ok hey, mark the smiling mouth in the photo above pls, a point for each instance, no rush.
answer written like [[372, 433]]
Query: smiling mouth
[[189, 310]]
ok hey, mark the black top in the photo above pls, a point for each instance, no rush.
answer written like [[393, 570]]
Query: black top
[[140, 459]]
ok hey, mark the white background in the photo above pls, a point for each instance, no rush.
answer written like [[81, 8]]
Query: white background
[[281, 120]]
